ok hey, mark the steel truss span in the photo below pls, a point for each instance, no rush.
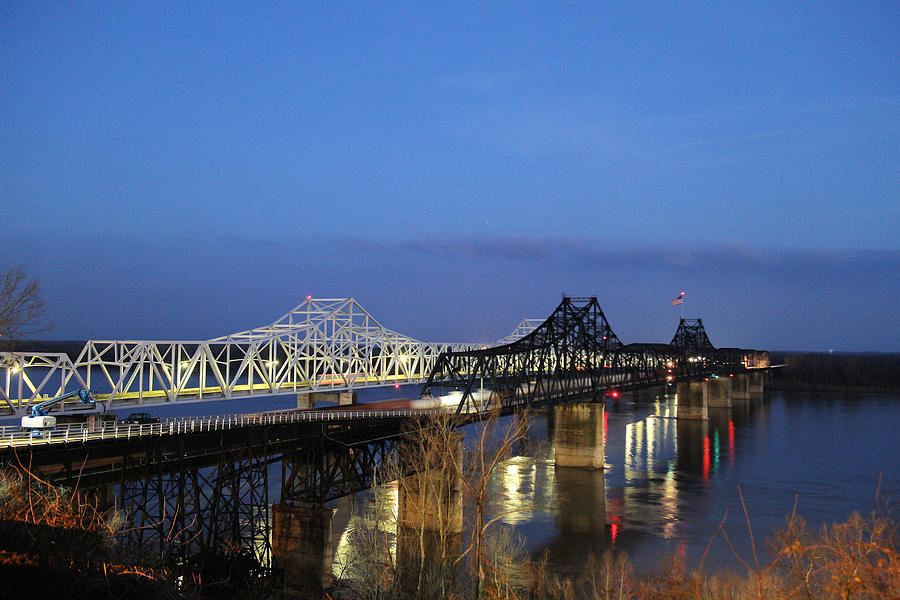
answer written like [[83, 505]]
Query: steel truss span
[[323, 344], [575, 353]]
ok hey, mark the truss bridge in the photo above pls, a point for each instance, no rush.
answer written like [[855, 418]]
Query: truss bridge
[[323, 344], [575, 353]]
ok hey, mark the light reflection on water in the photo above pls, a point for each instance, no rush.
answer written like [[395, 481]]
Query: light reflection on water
[[667, 483]]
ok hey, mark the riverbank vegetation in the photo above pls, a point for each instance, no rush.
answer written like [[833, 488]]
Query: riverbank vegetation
[[56, 542], [836, 372]]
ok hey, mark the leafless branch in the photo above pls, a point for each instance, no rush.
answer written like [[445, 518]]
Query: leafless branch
[[21, 305]]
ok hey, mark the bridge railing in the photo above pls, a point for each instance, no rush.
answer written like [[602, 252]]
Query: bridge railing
[[11, 436]]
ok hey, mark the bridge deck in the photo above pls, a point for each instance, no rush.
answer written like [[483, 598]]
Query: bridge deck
[[15, 437]]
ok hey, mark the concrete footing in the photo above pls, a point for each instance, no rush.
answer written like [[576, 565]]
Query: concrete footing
[[692, 401], [429, 501], [718, 392], [578, 437], [301, 545], [748, 386], [310, 399]]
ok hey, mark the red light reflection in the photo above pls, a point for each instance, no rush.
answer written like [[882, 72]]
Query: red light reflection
[[731, 443], [706, 457]]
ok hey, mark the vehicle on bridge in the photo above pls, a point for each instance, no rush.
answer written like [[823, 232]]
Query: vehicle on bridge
[[37, 419], [139, 418]]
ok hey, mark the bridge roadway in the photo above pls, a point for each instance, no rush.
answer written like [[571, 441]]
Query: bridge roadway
[[94, 454]]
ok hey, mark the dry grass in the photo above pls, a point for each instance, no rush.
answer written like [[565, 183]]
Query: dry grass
[[853, 560], [57, 542]]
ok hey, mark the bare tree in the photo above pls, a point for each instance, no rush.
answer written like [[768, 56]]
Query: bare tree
[[493, 445], [21, 305]]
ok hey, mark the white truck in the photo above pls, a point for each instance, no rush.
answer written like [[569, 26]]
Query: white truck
[[38, 420]]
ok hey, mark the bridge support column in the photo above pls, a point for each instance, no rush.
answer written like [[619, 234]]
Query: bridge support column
[[719, 392], [301, 545], [578, 436], [431, 499], [309, 399], [740, 387], [692, 400], [429, 514], [103, 495], [756, 383], [748, 386]]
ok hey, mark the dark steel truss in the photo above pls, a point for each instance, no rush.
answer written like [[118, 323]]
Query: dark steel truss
[[190, 516], [574, 353], [327, 469]]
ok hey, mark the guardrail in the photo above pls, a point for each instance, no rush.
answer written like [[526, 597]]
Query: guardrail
[[14, 437]]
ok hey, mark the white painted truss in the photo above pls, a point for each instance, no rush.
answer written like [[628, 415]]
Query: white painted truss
[[322, 345], [521, 330]]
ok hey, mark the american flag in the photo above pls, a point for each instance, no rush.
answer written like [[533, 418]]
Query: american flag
[[678, 300]]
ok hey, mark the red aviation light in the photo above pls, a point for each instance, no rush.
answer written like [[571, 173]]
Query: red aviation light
[[615, 394], [308, 297], [396, 386]]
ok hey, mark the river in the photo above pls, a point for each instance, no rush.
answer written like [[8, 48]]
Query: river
[[668, 484]]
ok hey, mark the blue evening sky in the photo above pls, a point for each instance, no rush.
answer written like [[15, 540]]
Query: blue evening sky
[[185, 170]]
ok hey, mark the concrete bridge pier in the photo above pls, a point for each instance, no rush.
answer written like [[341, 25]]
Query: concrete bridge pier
[[692, 400], [301, 544], [757, 383], [431, 498], [309, 399], [430, 516], [101, 496], [578, 435], [718, 391], [748, 386]]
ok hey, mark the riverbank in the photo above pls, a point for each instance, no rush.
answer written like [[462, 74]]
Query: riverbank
[[820, 372]]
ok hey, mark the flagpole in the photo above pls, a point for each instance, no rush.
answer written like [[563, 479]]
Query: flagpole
[[682, 306]]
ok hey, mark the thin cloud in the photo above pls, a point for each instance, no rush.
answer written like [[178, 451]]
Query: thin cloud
[[575, 252]]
